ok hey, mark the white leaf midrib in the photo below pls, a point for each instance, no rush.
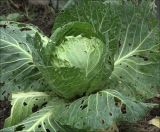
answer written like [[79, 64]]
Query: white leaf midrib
[[18, 96], [18, 47], [47, 115], [118, 61], [28, 94]]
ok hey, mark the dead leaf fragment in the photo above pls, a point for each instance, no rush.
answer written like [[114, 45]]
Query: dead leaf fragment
[[155, 121]]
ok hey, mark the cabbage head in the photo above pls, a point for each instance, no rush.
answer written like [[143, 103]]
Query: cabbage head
[[77, 63]]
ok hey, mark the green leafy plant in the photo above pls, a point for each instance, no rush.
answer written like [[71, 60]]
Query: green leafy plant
[[82, 64], [95, 71]]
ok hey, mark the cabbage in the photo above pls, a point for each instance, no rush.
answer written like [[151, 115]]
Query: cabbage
[[77, 65], [79, 52]]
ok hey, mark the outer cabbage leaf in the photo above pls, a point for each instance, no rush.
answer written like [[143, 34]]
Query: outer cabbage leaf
[[40, 121], [101, 110], [24, 104], [137, 59], [99, 14], [17, 70], [73, 29]]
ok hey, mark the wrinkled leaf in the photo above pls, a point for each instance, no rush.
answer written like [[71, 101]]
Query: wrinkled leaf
[[42, 120], [24, 104], [137, 59], [101, 110], [39, 121], [17, 69]]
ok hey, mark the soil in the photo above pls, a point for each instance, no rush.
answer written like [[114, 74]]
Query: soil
[[5, 107], [39, 15], [45, 20]]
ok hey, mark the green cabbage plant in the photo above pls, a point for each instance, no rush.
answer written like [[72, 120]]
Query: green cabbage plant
[[81, 61], [95, 71]]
